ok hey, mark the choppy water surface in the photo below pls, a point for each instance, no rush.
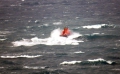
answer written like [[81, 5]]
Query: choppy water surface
[[30, 41]]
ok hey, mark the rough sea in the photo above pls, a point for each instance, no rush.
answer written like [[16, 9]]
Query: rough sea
[[30, 41]]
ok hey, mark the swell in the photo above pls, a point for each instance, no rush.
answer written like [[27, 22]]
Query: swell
[[93, 37]]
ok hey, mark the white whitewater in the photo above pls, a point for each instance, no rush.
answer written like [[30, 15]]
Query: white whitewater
[[98, 26], [21, 56], [54, 39], [89, 60]]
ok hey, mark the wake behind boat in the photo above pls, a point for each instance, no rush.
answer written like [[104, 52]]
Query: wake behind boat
[[54, 39]]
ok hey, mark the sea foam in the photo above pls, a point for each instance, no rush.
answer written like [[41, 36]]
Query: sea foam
[[69, 62], [54, 39], [88, 62], [21, 56], [94, 26]]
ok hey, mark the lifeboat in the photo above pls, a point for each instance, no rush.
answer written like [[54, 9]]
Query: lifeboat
[[66, 32]]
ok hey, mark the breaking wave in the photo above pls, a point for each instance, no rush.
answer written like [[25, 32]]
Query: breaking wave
[[88, 62], [54, 39], [21, 56], [97, 26], [36, 67]]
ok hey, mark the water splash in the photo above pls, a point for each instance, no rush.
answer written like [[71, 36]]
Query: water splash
[[54, 39]]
